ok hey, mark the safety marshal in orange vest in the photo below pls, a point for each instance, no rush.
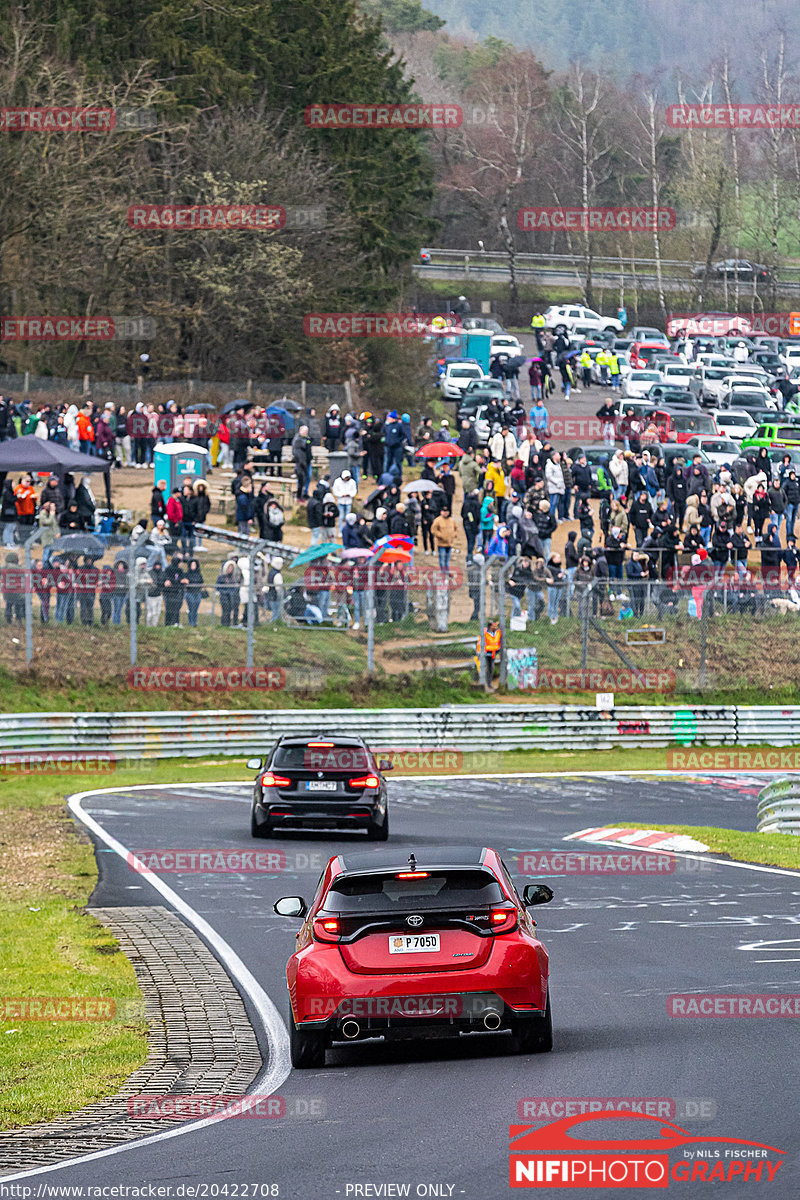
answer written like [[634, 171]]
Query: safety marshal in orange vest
[[489, 646]]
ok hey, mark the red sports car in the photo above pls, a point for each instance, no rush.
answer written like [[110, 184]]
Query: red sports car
[[440, 945]]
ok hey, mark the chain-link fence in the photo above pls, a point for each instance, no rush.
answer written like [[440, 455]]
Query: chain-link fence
[[183, 391], [192, 614]]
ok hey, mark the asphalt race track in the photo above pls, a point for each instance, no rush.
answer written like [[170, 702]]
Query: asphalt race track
[[438, 1113]]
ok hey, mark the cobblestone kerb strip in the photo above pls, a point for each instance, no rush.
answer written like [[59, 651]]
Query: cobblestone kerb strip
[[200, 1041]]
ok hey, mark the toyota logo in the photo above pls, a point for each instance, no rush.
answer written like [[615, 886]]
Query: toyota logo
[[415, 920]]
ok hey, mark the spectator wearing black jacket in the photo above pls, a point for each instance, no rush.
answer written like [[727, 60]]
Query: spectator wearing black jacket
[[777, 503], [380, 526], [791, 490], [721, 547], [174, 584], [158, 502], [399, 522], [640, 515], [791, 558], [761, 510], [771, 557], [314, 517], [189, 505], [71, 520], [695, 467], [741, 546], [468, 437], [471, 519], [693, 540], [677, 492], [546, 525], [668, 542]]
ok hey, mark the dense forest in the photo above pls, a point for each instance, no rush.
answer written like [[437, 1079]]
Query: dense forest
[[225, 90], [623, 37]]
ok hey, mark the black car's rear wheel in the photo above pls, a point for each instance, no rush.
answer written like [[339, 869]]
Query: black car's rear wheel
[[306, 1046], [256, 830], [535, 1034], [379, 833]]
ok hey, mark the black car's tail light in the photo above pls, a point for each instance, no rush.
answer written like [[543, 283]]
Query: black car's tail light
[[270, 779], [326, 929], [366, 781]]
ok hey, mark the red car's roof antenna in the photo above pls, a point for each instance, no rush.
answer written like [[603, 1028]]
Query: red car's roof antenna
[[412, 862]]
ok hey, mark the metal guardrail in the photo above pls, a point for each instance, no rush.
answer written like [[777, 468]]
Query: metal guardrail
[[779, 807], [462, 727], [568, 262]]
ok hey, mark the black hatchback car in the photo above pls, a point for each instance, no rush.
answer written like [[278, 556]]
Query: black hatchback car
[[320, 782]]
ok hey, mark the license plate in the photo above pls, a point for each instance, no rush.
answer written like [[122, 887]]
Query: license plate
[[321, 785], [413, 943]]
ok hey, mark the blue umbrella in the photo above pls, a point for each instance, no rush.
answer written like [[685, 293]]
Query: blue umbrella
[[307, 556]]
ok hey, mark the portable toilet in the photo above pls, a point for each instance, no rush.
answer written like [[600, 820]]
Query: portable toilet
[[174, 461]]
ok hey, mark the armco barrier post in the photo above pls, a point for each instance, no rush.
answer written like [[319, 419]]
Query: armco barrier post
[[584, 608], [32, 540], [482, 623], [371, 619], [132, 601], [501, 605], [252, 600]]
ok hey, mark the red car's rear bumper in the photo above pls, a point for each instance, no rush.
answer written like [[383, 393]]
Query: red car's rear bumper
[[322, 989]]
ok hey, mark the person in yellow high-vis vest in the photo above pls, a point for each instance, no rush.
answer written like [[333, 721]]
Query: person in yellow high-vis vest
[[585, 361], [489, 646], [613, 366]]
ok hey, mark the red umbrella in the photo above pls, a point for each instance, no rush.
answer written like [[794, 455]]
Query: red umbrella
[[394, 554], [440, 450]]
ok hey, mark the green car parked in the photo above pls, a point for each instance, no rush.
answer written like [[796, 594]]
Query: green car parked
[[773, 434]]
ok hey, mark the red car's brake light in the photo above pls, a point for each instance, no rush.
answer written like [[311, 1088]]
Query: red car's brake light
[[269, 779], [366, 781], [412, 875], [319, 745], [326, 929], [503, 920]]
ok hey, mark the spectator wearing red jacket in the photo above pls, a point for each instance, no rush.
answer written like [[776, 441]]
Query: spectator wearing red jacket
[[175, 514]]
